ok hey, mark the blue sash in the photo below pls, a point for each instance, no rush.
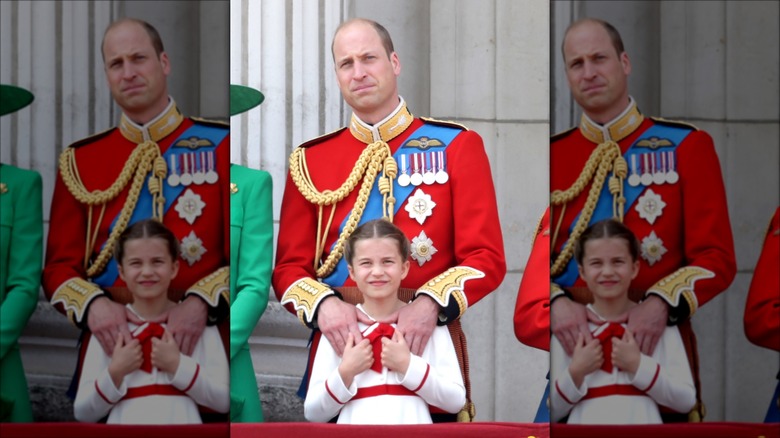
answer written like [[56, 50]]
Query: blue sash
[[373, 208], [603, 209], [143, 209]]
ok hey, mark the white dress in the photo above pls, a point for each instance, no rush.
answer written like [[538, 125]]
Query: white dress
[[203, 377], [432, 379], [661, 379]]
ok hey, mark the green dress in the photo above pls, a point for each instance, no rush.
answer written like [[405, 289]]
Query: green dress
[[21, 251], [251, 253]]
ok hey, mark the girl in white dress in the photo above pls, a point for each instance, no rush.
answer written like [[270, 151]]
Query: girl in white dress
[[148, 380], [608, 380], [378, 380]]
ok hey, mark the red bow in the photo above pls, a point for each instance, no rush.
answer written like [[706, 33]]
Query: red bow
[[152, 330], [613, 330], [382, 330]]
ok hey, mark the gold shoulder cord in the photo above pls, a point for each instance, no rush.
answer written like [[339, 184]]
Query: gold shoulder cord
[[374, 158], [146, 157], [605, 158]]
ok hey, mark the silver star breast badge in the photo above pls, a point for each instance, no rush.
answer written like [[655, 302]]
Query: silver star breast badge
[[420, 206]]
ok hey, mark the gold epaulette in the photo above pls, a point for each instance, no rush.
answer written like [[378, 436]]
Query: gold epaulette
[[305, 295], [211, 122], [447, 123], [450, 284], [677, 123], [92, 138], [563, 134], [316, 140], [75, 295], [680, 283], [212, 286]]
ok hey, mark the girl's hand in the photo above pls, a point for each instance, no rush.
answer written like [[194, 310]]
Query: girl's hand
[[165, 353], [356, 359], [587, 358], [395, 353], [125, 359], [625, 353]]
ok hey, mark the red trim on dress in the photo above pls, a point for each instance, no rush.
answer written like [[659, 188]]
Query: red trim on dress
[[605, 391], [145, 391], [655, 377], [327, 388], [425, 377], [558, 388], [374, 391], [100, 393], [197, 371]]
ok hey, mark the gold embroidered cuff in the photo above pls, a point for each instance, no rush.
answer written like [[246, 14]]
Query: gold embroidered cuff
[[305, 295], [212, 286], [450, 284], [680, 283], [75, 296], [555, 291]]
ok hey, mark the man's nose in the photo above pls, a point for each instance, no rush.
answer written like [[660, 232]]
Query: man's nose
[[358, 72], [588, 69], [128, 71]]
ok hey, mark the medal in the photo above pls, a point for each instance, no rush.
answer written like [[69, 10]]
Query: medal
[[650, 206], [652, 248], [672, 176], [416, 177], [422, 248], [428, 177], [658, 175], [186, 177], [647, 177], [633, 179], [173, 178], [190, 206], [211, 176], [441, 175], [198, 176], [403, 178], [192, 248], [420, 206]]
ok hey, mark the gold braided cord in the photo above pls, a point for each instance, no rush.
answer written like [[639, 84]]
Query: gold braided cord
[[603, 159], [620, 172], [144, 158], [391, 171], [367, 168]]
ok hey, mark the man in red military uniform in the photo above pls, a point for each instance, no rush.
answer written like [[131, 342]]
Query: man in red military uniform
[[156, 163], [762, 310], [432, 179], [661, 178]]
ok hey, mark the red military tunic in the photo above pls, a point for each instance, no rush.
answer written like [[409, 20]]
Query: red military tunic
[[462, 230], [198, 215], [687, 248], [532, 309], [762, 310], [689, 240]]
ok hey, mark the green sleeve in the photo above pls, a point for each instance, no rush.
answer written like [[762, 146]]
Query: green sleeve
[[23, 266], [252, 266]]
